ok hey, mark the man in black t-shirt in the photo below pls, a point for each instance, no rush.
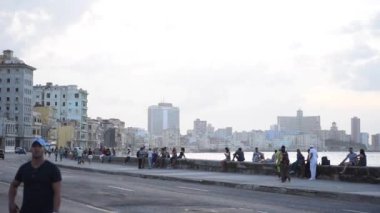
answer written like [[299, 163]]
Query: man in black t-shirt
[[42, 184]]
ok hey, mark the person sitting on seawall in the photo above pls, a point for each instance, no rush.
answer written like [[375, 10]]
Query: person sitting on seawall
[[298, 167], [182, 153], [239, 155], [227, 156], [352, 157], [362, 158], [257, 156]]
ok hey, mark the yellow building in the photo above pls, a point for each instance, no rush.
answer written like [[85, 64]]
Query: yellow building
[[65, 136]]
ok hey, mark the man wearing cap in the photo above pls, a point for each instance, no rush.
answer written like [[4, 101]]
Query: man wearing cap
[[42, 184], [313, 162]]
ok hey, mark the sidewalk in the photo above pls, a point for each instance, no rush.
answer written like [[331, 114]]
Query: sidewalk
[[322, 188]]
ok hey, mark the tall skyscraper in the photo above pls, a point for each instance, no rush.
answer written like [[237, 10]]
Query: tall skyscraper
[[200, 128], [162, 117], [16, 86], [355, 129], [299, 124]]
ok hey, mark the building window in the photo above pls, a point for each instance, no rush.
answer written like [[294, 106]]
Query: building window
[[55, 96], [48, 103], [16, 99], [8, 98], [76, 103], [8, 80], [48, 95], [8, 71], [64, 96], [76, 95], [8, 89], [63, 104], [16, 89], [7, 108], [16, 81], [55, 103]]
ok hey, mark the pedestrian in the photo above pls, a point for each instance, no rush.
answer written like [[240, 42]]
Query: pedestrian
[[128, 157], [56, 154], [80, 155], [284, 165], [150, 157], [61, 153], [42, 184], [313, 159], [140, 157], [90, 155]]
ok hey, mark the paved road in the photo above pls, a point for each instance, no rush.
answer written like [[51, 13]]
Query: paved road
[[85, 191]]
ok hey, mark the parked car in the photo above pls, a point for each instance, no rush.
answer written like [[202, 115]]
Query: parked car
[[2, 154], [20, 150]]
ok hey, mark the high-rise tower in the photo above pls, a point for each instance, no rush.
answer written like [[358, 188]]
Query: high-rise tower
[[16, 89], [355, 129], [162, 117]]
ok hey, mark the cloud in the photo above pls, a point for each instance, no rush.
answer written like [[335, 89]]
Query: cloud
[[30, 21]]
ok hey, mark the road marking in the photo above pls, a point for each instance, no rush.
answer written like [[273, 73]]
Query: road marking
[[124, 189], [195, 189], [90, 206], [4, 183], [261, 212], [99, 209], [349, 210]]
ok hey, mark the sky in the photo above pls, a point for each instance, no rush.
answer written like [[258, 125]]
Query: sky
[[233, 63]]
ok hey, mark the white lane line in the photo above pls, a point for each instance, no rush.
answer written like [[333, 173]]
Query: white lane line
[[124, 189], [349, 210], [4, 183], [99, 209], [202, 190], [90, 206]]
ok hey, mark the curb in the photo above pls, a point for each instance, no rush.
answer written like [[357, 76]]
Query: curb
[[252, 187]]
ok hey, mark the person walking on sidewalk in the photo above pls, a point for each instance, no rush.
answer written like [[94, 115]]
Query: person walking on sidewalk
[[313, 159], [90, 155], [284, 165], [128, 157], [61, 153], [150, 157], [42, 184]]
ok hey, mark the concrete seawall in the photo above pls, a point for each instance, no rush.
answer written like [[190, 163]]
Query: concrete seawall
[[352, 174]]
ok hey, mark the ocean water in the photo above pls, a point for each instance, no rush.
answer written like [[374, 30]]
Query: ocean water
[[373, 158]]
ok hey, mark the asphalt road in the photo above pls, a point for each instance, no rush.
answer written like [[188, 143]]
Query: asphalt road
[[96, 192]]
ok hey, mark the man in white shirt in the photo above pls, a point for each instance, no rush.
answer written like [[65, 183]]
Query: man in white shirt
[[313, 158]]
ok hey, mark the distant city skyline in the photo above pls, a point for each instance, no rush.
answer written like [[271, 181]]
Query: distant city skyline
[[233, 64]]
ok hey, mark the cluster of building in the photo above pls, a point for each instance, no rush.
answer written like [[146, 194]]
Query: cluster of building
[[58, 114]]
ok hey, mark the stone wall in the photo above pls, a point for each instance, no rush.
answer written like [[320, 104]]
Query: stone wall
[[352, 174]]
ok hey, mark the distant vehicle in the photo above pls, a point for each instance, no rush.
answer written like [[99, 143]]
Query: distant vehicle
[[20, 150], [2, 154]]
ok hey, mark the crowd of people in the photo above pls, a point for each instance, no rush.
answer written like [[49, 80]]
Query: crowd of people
[[166, 158], [302, 167], [157, 157]]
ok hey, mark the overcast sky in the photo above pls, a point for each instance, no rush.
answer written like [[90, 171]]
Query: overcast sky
[[232, 63]]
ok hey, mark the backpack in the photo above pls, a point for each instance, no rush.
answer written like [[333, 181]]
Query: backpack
[[325, 161]]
